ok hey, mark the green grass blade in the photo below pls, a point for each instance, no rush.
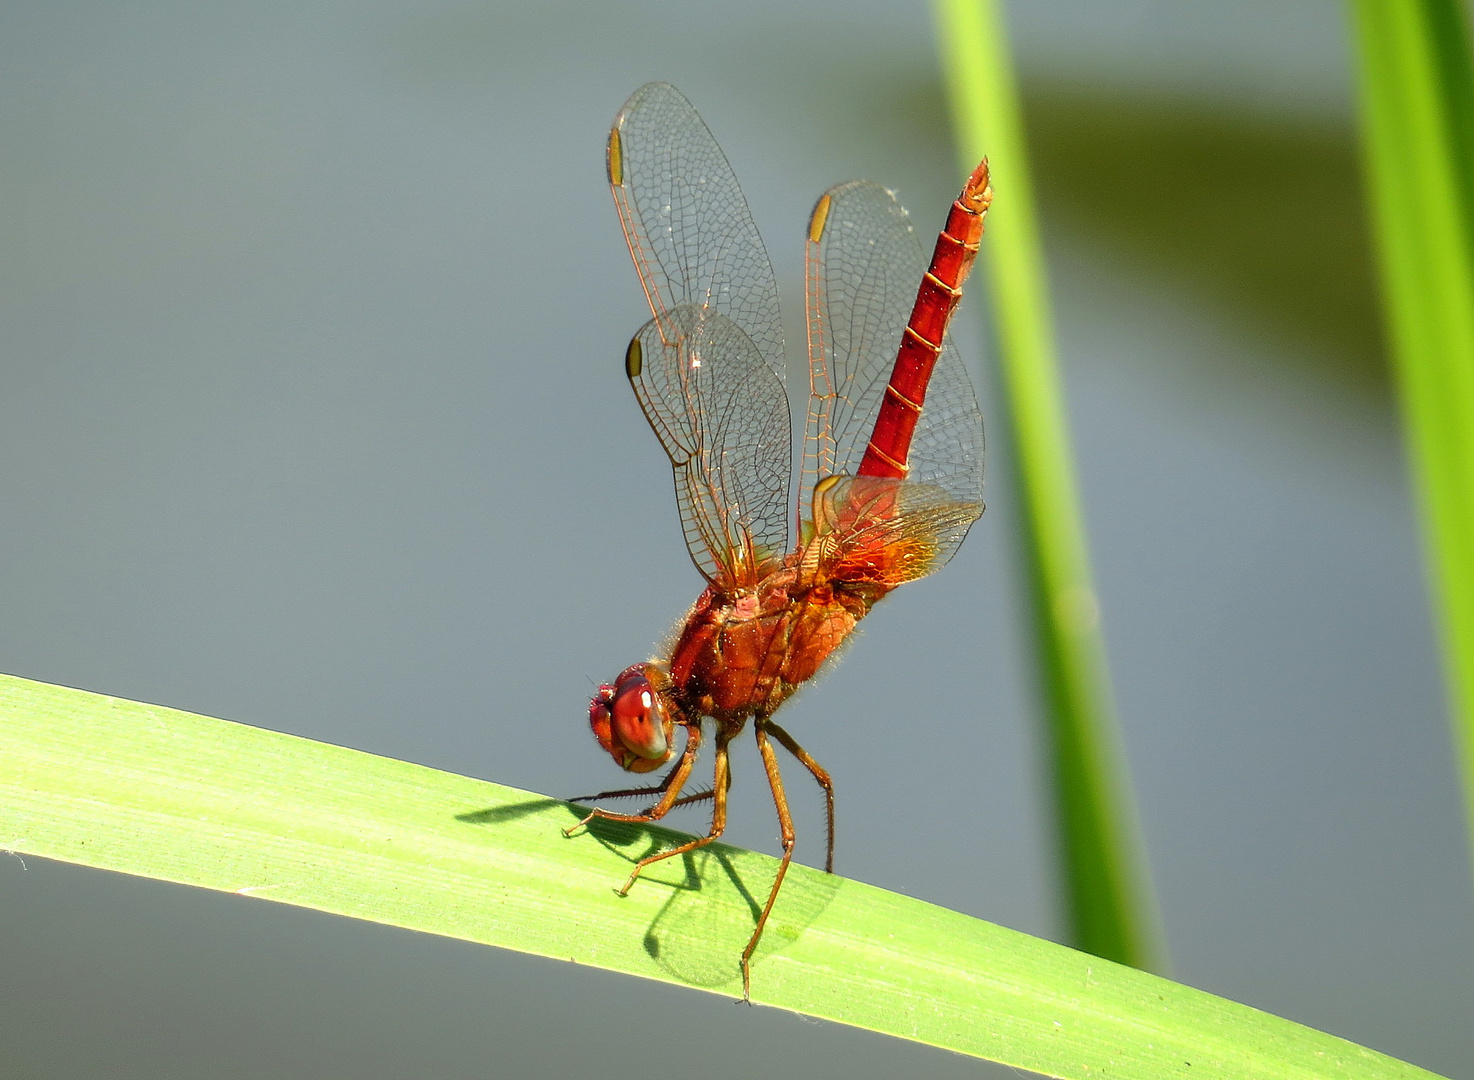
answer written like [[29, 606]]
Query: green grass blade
[[164, 794], [1417, 107], [1108, 896]]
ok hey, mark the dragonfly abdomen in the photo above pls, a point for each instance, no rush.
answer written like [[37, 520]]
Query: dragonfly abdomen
[[921, 342]]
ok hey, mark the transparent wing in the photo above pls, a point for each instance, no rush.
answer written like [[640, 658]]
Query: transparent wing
[[864, 265], [882, 532], [711, 380], [718, 410]]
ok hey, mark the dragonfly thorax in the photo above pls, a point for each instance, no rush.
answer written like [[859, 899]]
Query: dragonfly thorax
[[743, 654]]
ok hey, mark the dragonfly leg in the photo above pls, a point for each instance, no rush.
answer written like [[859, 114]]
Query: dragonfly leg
[[670, 787], [649, 789], [820, 775], [722, 780], [785, 826], [686, 800]]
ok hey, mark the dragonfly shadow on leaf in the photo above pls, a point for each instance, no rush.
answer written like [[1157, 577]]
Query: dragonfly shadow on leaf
[[491, 815], [716, 895], [617, 836], [631, 840]]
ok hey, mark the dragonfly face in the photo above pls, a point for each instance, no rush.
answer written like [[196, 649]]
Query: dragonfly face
[[632, 722]]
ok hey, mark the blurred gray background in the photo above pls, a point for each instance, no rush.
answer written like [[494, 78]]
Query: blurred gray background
[[312, 416]]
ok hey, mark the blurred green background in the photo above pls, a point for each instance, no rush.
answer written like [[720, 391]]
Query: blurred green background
[[313, 417]]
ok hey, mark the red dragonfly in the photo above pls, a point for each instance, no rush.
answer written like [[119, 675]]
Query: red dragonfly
[[887, 490]]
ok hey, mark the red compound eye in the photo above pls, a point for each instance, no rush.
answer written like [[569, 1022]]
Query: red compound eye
[[631, 722]]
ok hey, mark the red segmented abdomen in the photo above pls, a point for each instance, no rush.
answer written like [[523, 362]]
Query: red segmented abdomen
[[921, 343]]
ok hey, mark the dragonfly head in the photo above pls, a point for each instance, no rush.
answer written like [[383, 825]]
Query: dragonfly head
[[632, 721]]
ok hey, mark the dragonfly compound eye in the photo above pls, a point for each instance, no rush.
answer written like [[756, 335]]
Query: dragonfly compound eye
[[633, 724], [599, 719]]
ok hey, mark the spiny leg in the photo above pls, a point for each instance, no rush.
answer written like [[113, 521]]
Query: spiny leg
[[630, 793], [722, 780], [820, 775], [785, 827], [650, 789], [701, 796], [687, 800], [671, 787], [684, 800]]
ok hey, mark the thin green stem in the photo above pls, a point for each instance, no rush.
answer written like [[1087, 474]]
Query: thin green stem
[[1108, 895], [1417, 113]]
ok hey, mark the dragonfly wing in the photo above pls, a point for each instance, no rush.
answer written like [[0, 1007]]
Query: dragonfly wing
[[947, 449], [718, 410], [882, 532], [710, 374], [864, 265]]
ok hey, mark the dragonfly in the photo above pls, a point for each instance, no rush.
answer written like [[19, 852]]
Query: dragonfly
[[891, 476]]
